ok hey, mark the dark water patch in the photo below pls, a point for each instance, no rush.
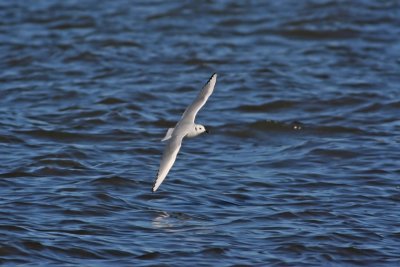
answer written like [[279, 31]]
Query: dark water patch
[[79, 232], [55, 171], [84, 112], [86, 123], [258, 184], [70, 164], [339, 130], [17, 174], [66, 152], [7, 250], [361, 85], [115, 42], [13, 228], [268, 107], [87, 211], [335, 153], [283, 215], [113, 253], [310, 34], [71, 222], [356, 252], [214, 251], [84, 56], [149, 256], [111, 101], [270, 125], [133, 107], [113, 181], [61, 136], [239, 197], [254, 129], [81, 253], [78, 23], [377, 108], [9, 139], [32, 245]]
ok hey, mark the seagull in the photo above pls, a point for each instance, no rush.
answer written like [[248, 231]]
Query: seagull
[[184, 128]]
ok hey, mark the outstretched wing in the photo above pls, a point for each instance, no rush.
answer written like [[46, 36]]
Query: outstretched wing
[[191, 111], [168, 159]]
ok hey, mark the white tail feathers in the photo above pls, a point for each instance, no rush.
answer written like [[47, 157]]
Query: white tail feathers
[[168, 134]]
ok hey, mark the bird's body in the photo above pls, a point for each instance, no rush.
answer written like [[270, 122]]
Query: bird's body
[[184, 128]]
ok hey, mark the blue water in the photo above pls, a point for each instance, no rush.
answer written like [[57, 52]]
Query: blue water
[[300, 169]]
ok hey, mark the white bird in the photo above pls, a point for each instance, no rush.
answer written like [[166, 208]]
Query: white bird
[[184, 128]]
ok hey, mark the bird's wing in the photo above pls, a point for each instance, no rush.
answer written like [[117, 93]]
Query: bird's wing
[[168, 159], [191, 111]]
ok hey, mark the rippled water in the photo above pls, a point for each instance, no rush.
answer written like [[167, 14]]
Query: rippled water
[[301, 168]]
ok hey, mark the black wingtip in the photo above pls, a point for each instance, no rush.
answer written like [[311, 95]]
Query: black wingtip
[[212, 76]]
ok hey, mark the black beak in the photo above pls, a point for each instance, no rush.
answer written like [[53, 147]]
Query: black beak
[[207, 132]]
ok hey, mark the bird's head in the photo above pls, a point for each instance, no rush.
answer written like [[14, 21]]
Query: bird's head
[[200, 129]]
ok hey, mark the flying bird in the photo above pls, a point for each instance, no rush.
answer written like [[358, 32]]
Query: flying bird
[[184, 128]]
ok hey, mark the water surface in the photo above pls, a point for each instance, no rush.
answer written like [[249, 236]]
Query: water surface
[[301, 168]]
